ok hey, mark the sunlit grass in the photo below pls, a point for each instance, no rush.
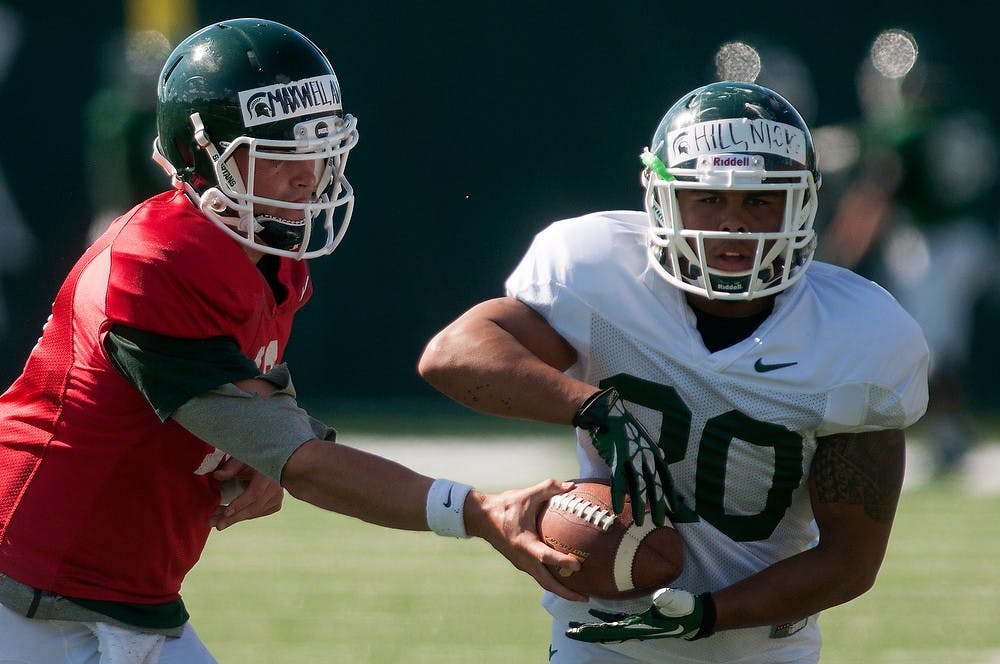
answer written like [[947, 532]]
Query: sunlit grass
[[310, 586]]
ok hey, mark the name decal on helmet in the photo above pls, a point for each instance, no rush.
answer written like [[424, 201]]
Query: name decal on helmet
[[279, 102], [736, 135]]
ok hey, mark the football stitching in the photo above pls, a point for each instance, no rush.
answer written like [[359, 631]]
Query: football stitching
[[626, 553], [593, 511], [584, 509]]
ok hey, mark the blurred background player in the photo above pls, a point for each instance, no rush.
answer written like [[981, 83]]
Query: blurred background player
[[20, 244], [776, 388], [120, 125], [156, 404], [918, 214]]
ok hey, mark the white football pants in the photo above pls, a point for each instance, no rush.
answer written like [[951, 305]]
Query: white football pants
[[28, 641]]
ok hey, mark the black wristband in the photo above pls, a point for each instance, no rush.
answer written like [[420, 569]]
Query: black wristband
[[708, 616], [586, 418]]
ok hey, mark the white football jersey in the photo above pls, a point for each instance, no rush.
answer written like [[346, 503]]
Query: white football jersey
[[738, 426]]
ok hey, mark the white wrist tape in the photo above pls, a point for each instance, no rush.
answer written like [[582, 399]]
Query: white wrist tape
[[445, 508]]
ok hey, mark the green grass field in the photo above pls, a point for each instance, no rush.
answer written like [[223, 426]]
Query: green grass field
[[310, 586]]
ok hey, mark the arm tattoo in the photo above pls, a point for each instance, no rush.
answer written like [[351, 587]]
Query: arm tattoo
[[861, 469]]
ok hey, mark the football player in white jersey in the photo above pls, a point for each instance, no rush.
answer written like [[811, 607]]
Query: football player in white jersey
[[718, 375]]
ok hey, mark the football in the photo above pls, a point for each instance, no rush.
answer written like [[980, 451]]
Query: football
[[618, 559]]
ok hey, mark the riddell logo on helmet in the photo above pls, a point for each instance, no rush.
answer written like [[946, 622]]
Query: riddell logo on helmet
[[731, 160]]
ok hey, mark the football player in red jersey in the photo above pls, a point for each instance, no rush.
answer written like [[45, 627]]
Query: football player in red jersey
[[158, 381]]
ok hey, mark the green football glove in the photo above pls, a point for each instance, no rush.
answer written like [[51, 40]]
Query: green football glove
[[675, 614], [637, 464]]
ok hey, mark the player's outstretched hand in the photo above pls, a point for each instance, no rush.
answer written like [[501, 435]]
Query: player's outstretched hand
[[260, 495], [675, 614], [637, 464], [508, 522]]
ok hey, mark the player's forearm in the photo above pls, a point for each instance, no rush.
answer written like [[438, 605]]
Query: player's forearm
[[854, 484], [382, 492], [793, 589], [359, 484], [523, 389], [482, 366]]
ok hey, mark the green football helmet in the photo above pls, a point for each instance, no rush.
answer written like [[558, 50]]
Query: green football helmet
[[259, 86], [731, 136]]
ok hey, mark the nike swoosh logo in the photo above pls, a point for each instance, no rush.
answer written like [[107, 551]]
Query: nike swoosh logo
[[652, 632], [760, 367], [447, 503]]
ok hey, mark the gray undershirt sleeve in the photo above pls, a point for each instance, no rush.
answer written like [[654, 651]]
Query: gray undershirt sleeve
[[262, 431]]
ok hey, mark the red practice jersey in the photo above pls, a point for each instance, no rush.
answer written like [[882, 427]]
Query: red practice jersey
[[99, 498]]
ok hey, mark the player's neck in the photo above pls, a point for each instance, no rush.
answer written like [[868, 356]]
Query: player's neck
[[253, 254], [730, 308], [718, 332]]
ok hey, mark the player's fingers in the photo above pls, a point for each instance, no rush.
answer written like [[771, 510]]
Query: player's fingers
[[654, 498], [213, 521], [658, 512], [622, 480], [547, 580], [522, 521], [528, 538], [654, 495], [638, 506], [262, 497], [514, 533], [228, 469], [666, 486], [250, 504], [545, 489], [529, 501], [546, 555], [232, 516], [532, 556], [637, 494], [606, 616]]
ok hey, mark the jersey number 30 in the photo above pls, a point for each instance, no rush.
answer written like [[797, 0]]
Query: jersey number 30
[[713, 451]]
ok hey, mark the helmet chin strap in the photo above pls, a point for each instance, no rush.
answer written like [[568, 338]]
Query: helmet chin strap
[[765, 274], [214, 198], [724, 282]]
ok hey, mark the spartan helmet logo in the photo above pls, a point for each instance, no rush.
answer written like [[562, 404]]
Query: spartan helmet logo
[[680, 144], [257, 106]]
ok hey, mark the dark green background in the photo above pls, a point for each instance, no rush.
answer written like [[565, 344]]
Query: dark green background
[[480, 122]]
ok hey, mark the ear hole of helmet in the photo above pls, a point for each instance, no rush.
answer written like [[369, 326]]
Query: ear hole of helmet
[[184, 151]]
